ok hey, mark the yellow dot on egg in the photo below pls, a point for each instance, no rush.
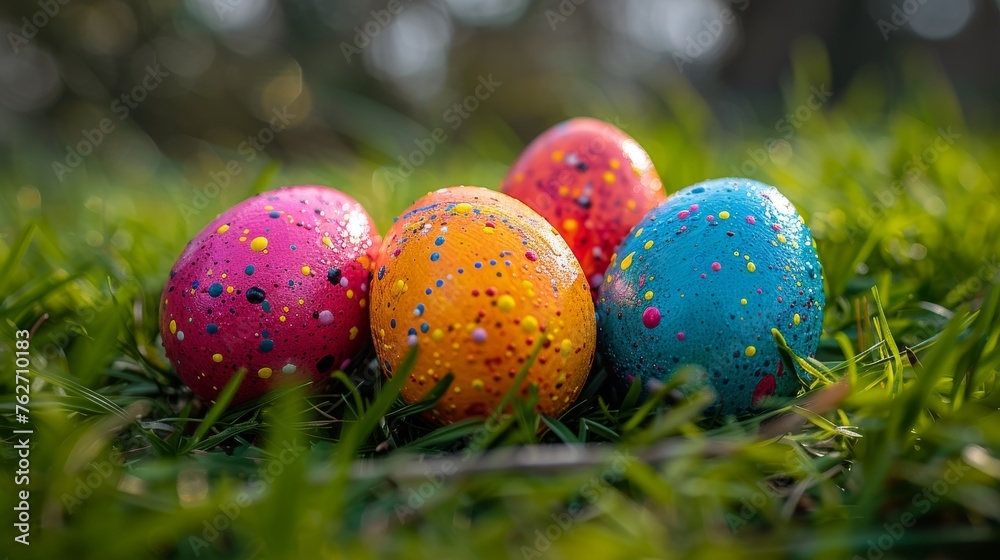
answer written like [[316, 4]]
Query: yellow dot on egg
[[350, 294], [173, 327], [609, 177], [457, 390], [570, 225], [796, 319], [306, 270], [627, 261], [529, 324], [648, 295], [282, 318], [557, 155], [463, 208], [264, 372], [328, 242], [285, 309], [269, 207], [438, 335], [217, 358], [638, 232], [751, 267], [614, 163], [563, 191], [258, 244], [224, 276], [223, 228], [243, 238], [230, 289], [648, 245], [302, 302], [724, 215], [781, 238], [354, 332], [363, 302], [630, 204], [743, 301], [750, 351], [487, 229], [245, 231], [506, 303], [746, 257], [478, 384], [566, 346]]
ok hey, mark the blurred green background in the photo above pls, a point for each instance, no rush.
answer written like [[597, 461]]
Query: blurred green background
[[126, 126]]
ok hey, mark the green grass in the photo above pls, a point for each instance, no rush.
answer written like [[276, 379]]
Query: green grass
[[899, 427]]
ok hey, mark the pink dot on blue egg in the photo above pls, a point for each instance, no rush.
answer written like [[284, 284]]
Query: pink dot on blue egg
[[651, 317]]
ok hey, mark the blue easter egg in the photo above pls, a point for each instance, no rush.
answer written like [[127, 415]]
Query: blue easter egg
[[701, 281]]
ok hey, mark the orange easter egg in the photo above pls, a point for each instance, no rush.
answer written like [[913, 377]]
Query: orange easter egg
[[476, 280]]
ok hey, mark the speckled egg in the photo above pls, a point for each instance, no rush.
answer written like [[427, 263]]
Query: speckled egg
[[702, 280], [592, 182], [476, 280], [277, 286]]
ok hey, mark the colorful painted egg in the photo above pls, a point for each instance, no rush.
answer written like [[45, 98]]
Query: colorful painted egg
[[277, 286], [592, 182], [476, 280], [702, 280]]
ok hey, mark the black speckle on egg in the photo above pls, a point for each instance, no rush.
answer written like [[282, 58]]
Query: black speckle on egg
[[325, 364], [255, 295]]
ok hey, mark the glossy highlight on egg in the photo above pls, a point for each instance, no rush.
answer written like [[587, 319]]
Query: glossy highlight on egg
[[276, 286], [476, 281], [702, 280], [592, 182]]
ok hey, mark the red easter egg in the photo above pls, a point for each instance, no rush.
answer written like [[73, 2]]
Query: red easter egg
[[592, 182]]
